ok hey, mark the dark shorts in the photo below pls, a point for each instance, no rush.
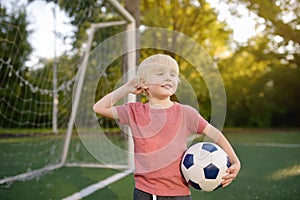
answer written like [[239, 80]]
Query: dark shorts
[[141, 195]]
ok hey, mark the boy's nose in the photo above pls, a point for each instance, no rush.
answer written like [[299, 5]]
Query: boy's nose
[[168, 77]]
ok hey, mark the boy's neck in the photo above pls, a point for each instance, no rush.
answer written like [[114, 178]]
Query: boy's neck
[[160, 103]]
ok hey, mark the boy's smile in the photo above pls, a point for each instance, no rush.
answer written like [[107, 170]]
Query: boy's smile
[[168, 86], [161, 90]]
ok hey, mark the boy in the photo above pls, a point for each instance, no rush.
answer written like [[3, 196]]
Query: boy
[[160, 130]]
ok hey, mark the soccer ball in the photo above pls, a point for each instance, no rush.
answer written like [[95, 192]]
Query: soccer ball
[[203, 166]]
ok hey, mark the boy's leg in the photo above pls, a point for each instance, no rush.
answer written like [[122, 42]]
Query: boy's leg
[[140, 195], [175, 198]]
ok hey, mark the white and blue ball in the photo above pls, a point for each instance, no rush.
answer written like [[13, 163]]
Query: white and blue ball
[[203, 166]]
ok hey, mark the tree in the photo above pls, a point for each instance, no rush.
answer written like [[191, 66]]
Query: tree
[[15, 47], [258, 92], [15, 51], [197, 20], [266, 89], [247, 86], [193, 18]]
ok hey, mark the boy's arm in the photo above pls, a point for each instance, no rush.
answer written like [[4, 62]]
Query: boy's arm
[[216, 136], [105, 106]]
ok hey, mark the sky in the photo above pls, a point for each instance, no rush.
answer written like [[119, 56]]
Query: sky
[[243, 28], [43, 22], [48, 19]]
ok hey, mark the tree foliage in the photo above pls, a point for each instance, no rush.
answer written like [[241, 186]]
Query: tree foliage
[[15, 51], [15, 47], [262, 77], [196, 19]]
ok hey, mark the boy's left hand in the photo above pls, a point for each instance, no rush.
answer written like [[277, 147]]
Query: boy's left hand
[[233, 171]]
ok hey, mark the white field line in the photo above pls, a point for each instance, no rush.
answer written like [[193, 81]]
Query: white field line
[[30, 175], [281, 145], [97, 186], [90, 165]]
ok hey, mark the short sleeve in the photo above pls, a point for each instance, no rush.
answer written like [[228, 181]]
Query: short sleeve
[[196, 123], [202, 124], [123, 113]]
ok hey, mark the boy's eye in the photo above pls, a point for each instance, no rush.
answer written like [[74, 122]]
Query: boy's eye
[[159, 73]]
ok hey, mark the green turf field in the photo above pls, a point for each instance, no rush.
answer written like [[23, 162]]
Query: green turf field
[[270, 170]]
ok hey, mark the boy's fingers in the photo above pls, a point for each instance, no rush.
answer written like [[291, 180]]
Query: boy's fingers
[[225, 184], [229, 176], [230, 169], [227, 180]]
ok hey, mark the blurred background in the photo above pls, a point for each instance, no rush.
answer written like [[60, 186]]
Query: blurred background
[[254, 44]]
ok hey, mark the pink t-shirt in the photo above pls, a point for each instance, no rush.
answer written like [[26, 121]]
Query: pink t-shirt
[[160, 139]]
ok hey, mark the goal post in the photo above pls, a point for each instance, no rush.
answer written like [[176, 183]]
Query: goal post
[[130, 43]]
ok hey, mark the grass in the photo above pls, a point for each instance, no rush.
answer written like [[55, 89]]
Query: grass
[[55, 185], [256, 179], [268, 173]]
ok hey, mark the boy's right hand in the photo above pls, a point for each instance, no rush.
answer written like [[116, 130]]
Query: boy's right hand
[[136, 86]]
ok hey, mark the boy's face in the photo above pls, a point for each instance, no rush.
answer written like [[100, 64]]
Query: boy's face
[[162, 81]]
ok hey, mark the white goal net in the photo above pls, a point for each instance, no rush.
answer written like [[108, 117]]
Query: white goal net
[[45, 72]]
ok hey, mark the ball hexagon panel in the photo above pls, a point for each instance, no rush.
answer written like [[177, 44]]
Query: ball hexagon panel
[[196, 174], [222, 172], [203, 158], [219, 158], [185, 173], [209, 185], [194, 149]]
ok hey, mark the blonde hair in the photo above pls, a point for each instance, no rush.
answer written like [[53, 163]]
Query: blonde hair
[[154, 61]]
